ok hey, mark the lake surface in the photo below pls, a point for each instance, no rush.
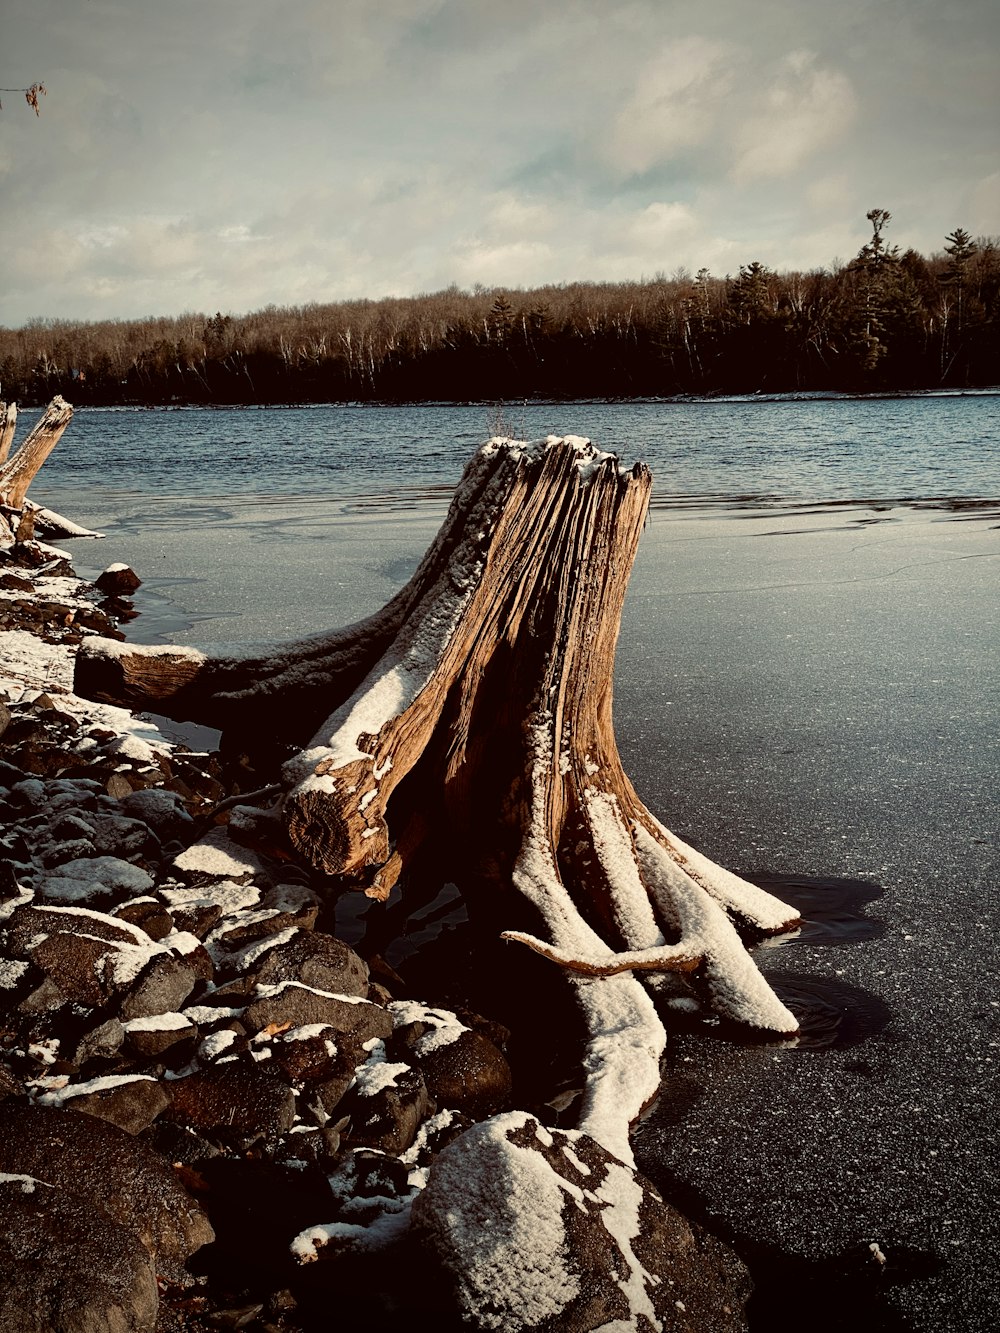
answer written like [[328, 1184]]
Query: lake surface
[[719, 451], [807, 688]]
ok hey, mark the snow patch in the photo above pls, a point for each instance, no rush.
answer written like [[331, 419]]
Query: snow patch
[[445, 1027], [56, 1096]]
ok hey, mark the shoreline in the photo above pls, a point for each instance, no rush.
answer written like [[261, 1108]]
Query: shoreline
[[541, 400]]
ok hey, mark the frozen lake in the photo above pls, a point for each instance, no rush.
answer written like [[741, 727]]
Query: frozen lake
[[807, 688]]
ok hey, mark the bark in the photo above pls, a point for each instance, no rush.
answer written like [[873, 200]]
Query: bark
[[469, 735], [17, 473]]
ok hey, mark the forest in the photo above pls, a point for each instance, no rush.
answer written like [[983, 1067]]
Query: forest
[[884, 322]]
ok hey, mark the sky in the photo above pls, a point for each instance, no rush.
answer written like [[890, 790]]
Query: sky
[[203, 155]]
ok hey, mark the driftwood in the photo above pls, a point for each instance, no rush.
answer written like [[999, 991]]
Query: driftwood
[[17, 473], [466, 730], [8, 424], [17, 514], [22, 520]]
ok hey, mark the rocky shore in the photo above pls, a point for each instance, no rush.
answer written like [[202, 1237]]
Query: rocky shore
[[216, 1114]]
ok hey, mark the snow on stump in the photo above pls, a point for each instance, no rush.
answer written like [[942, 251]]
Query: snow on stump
[[543, 1228], [464, 733]]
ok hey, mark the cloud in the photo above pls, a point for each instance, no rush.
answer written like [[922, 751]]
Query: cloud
[[984, 206], [673, 106], [806, 109], [230, 155]]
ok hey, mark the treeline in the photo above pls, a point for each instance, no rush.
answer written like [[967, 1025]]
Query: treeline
[[885, 321]]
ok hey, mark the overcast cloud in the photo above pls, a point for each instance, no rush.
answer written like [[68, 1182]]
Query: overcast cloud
[[228, 154]]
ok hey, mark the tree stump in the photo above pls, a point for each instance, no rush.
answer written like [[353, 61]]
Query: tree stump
[[468, 734]]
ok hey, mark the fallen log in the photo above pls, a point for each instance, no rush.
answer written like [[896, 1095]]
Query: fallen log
[[471, 737], [20, 518]]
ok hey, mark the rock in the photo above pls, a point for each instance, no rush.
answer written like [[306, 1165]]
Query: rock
[[91, 957], [162, 811], [27, 795], [119, 1177], [44, 999], [95, 881], [238, 1102], [248, 928], [57, 854], [131, 1105], [468, 1074], [75, 965], [10, 1084], [8, 882], [198, 918], [328, 1094], [217, 857], [545, 1228], [148, 915], [387, 1117], [194, 953], [71, 826], [28, 924], [118, 579], [117, 835], [315, 960], [305, 1055], [290, 1004], [64, 1266], [151, 1036], [161, 988], [16, 583], [100, 1043]]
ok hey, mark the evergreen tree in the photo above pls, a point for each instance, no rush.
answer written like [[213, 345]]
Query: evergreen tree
[[961, 250]]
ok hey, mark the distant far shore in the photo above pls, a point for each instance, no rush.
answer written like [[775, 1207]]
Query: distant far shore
[[884, 323]]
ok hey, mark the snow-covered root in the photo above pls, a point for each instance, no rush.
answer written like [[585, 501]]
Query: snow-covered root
[[736, 988], [647, 892], [621, 1062]]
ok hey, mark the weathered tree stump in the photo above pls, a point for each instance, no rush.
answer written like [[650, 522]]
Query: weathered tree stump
[[468, 733]]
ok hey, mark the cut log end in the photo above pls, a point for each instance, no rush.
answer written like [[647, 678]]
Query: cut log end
[[337, 840]]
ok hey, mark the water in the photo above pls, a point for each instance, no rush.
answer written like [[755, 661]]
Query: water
[[807, 689], [721, 451]]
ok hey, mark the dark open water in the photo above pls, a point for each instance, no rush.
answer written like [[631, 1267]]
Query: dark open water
[[807, 688], [719, 450]]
